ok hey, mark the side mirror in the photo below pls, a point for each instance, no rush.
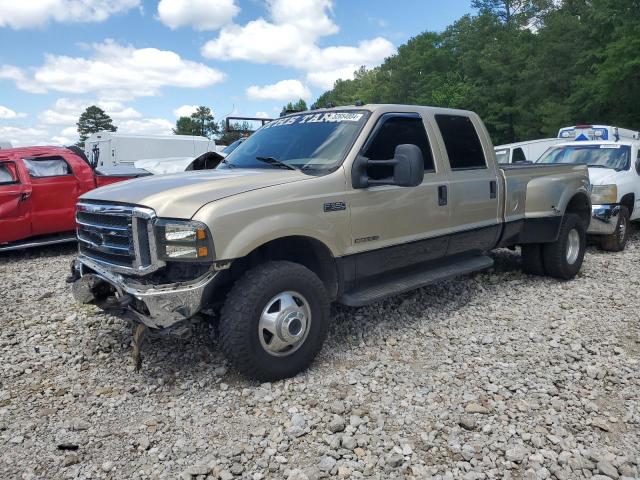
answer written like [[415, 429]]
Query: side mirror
[[407, 163]]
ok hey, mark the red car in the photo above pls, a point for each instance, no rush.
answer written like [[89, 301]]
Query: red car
[[39, 187]]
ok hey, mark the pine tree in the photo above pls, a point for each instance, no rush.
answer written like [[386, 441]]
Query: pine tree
[[299, 106], [93, 120], [201, 122]]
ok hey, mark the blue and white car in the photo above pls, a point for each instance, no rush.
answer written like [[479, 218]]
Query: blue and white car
[[613, 157]]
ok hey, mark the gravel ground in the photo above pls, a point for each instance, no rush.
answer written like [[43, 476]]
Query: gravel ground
[[496, 375]]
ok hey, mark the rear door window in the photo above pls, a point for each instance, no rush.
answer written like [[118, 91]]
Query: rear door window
[[47, 167], [461, 141], [8, 173]]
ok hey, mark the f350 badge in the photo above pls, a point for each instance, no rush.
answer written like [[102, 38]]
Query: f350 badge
[[334, 207]]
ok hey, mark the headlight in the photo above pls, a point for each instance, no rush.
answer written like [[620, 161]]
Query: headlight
[[183, 240], [603, 194]]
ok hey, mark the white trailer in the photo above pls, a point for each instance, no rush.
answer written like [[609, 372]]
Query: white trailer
[[106, 149], [5, 144], [524, 151]]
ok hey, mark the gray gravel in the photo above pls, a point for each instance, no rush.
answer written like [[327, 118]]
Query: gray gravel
[[496, 375]]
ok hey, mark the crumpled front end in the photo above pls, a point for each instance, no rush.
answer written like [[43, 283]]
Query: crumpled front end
[[158, 272], [157, 306]]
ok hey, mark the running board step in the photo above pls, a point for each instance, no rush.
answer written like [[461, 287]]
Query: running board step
[[398, 283]]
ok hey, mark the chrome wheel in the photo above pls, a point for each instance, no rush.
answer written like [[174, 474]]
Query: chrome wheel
[[622, 229], [573, 246], [284, 324]]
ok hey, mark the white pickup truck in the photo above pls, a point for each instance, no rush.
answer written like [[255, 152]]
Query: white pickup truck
[[613, 157], [524, 151]]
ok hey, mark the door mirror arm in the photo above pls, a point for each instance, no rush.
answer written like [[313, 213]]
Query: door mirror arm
[[407, 163]]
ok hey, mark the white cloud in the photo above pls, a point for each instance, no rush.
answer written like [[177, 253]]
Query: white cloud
[[57, 124], [10, 72], [19, 14], [69, 131], [185, 110], [198, 14], [61, 140], [290, 39], [66, 111], [283, 90], [146, 126], [262, 115], [115, 72], [22, 136], [8, 114]]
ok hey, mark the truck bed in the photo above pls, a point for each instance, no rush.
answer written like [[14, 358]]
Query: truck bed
[[530, 187]]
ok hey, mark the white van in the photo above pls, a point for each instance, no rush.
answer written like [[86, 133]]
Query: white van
[[106, 149], [524, 151], [613, 157]]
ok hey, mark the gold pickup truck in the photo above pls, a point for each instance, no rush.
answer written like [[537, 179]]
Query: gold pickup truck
[[346, 205]]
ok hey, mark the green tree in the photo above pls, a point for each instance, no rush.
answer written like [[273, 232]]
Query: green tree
[[527, 67], [237, 131], [299, 106], [186, 126], [93, 120], [200, 123]]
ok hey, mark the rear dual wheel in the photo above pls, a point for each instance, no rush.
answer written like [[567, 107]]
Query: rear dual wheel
[[560, 259]]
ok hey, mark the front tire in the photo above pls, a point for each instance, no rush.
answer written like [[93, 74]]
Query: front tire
[[274, 320], [563, 258], [617, 241]]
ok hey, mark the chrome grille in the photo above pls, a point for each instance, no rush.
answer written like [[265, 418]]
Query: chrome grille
[[117, 236]]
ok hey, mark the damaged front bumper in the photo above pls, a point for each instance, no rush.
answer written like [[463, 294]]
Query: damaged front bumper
[[157, 306]]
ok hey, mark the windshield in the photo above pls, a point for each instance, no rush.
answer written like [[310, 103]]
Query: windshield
[[315, 141], [502, 155], [613, 156]]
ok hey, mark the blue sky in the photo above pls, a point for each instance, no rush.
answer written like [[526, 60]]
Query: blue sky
[[145, 61]]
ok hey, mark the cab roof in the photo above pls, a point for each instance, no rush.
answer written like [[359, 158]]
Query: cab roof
[[385, 108], [32, 151]]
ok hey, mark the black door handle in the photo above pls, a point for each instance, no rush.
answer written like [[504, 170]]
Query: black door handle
[[492, 189], [442, 195]]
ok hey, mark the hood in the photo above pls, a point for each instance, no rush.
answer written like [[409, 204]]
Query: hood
[[602, 176], [181, 195]]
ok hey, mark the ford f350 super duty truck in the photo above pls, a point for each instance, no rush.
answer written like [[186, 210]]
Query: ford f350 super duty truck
[[346, 204]]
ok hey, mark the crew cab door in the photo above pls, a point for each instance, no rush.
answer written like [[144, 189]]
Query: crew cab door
[[15, 222], [55, 190], [473, 197], [393, 226]]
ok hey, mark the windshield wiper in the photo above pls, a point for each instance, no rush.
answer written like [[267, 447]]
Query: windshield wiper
[[276, 163]]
